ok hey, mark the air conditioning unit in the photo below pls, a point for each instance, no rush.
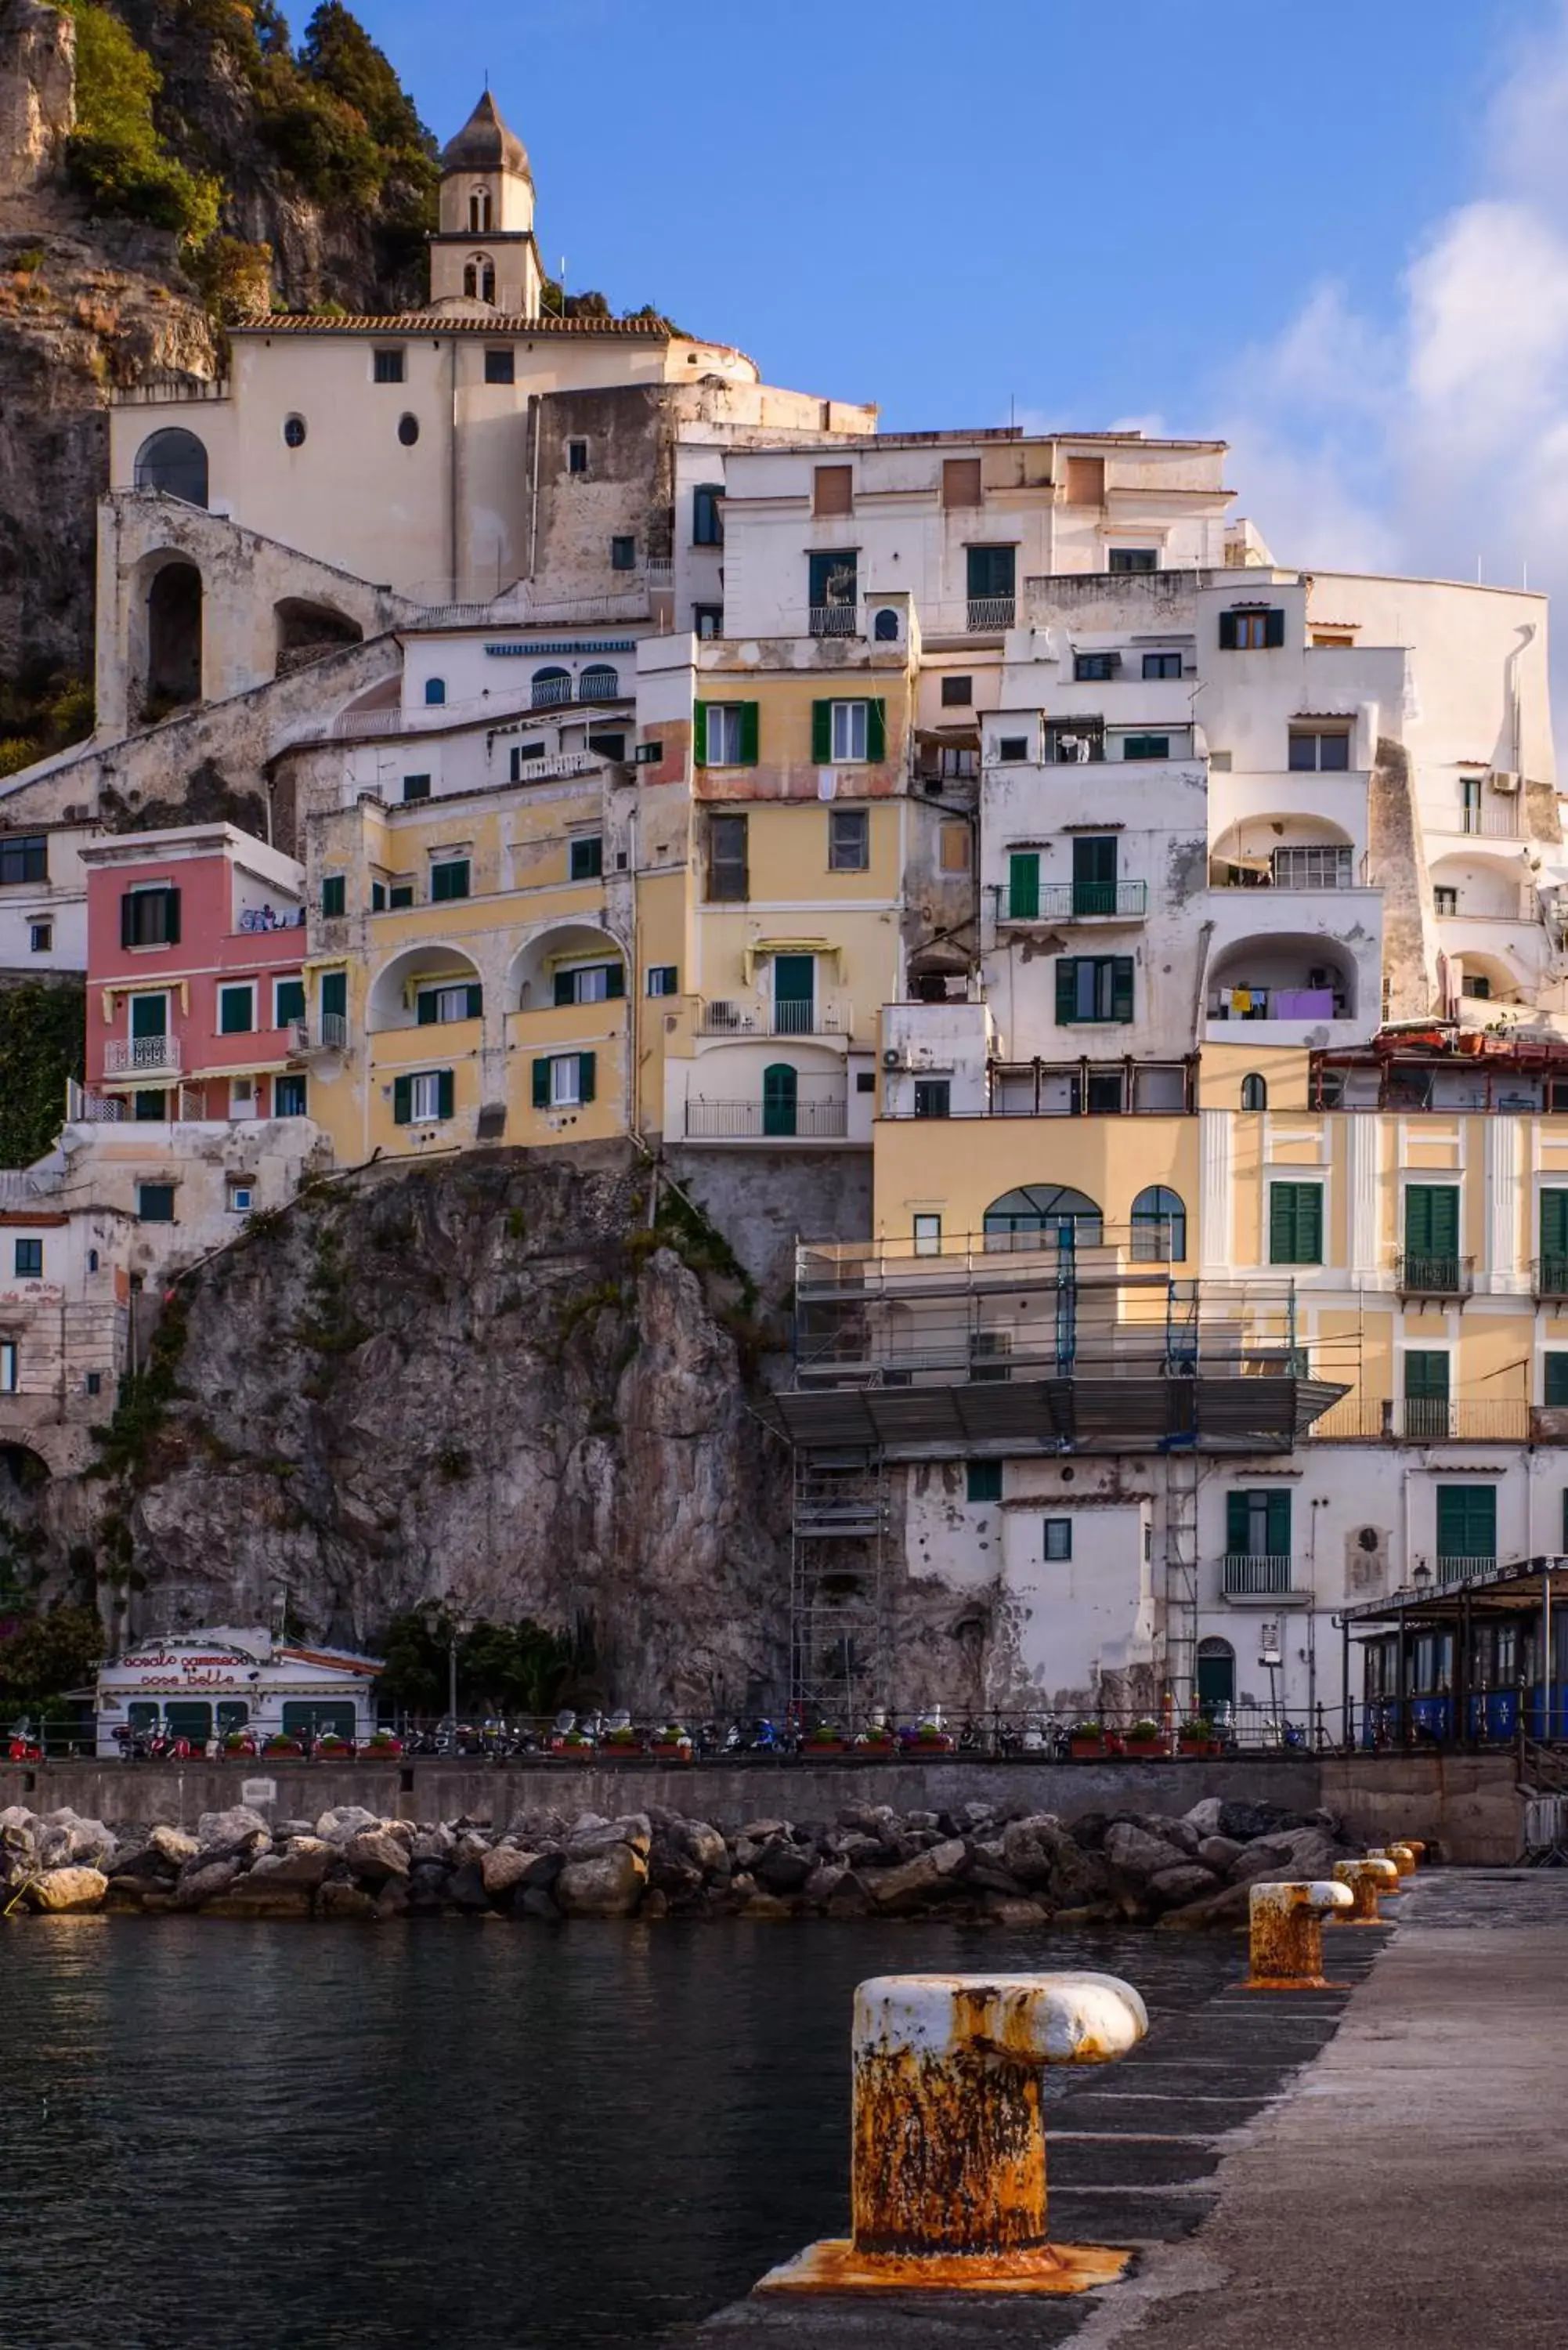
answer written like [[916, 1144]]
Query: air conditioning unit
[[1503, 779], [893, 1058]]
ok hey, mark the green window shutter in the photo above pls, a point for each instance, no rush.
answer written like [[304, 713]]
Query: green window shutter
[[614, 980], [476, 1003], [425, 1007], [402, 1101], [541, 1085], [875, 730], [1296, 1223], [443, 1093], [565, 990], [335, 992], [1066, 989], [1427, 1375], [749, 733], [1467, 1521], [1279, 1507], [1227, 632], [1309, 1222], [1274, 628], [1554, 1223], [821, 733], [1121, 987], [1557, 1378], [172, 917], [128, 920], [332, 894], [585, 1062], [1238, 1510], [290, 1001], [700, 735], [1024, 886]]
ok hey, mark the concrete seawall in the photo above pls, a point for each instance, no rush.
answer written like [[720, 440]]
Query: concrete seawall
[[1468, 1804]]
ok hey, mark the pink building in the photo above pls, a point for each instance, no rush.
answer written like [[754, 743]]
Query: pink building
[[196, 952]]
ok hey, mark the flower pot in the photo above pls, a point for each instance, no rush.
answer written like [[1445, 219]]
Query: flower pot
[[1085, 1750], [674, 1750], [823, 1746]]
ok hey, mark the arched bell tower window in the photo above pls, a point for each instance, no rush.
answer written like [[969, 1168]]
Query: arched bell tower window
[[479, 279], [479, 212]]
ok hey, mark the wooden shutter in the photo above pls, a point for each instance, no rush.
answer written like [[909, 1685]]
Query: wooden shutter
[[402, 1100], [1432, 1220], [961, 480], [566, 987], [425, 1007], [1066, 990], [875, 730], [1282, 1223], [1554, 1223], [1227, 632], [751, 730], [335, 992], [443, 1093], [128, 923], [832, 489], [1085, 480], [585, 1065], [1467, 1521], [700, 735], [541, 1085], [1024, 886], [1273, 628], [476, 1003], [615, 980], [1237, 1517], [1279, 1535], [1427, 1375], [1557, 1378], [172, 918], [821, 733], [1121, 987]]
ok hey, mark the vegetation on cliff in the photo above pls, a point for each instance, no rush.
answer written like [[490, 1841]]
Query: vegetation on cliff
[[42, 1039]]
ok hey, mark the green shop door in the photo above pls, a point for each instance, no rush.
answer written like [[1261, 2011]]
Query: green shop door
[[795, 995], [186, 1718], [780, 1086], [306, 1718]]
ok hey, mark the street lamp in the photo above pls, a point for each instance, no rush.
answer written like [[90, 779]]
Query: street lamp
[[436, 1615]]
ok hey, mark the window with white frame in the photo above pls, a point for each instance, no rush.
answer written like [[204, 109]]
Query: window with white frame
[[8, 1366], [425, 1096], [565, 1081], [724, 734], [849, 730]]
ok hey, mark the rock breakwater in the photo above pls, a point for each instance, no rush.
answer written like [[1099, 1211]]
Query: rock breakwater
[[983, 1862]]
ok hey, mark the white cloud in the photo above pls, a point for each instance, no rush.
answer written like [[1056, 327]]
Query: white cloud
[[1442, 440]]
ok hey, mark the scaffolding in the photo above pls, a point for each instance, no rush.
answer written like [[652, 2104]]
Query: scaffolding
[[1066, 1341]]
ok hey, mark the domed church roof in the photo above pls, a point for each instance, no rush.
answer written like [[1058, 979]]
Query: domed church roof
[[485, 144]]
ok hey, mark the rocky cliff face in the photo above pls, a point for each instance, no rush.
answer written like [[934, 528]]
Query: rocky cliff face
[[485, 1382], [91, 299]]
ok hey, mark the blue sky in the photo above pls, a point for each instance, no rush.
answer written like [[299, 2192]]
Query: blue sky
[[1335, 234]]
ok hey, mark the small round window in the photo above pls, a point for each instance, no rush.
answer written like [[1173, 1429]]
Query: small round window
[[294, 432], [408, 431]]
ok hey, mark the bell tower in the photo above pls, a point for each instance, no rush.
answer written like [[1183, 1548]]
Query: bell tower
[[483, 254]]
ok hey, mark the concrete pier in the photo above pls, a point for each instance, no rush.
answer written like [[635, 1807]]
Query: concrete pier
[[1377, 2164]]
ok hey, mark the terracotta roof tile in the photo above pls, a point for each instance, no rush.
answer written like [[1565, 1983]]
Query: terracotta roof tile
[[437, 322]]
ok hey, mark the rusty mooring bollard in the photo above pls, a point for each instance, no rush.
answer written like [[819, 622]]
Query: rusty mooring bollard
[[1287, 1934], [1405, 1847], [1366, 1879], [1402, 1858], [948, 2163]]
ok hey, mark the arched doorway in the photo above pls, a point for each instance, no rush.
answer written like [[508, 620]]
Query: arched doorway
[[306, 631], [781, 1086], [174, 462], [1216, 1676], [174, 637]]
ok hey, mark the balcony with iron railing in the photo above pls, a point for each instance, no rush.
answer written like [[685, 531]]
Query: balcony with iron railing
[[1072, 901], [836, 620], [1246, 1575], [762, 1015], [1460, 1570], [328, 1033], [141, 1057], [1549, 1277], [821, 1121], [1425, 1276], [1434, 1420]]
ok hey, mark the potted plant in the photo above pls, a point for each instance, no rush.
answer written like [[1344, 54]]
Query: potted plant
[[330, 1747], [1086, 1741], [930, 1738], [876, 1740], [382, 1746], [278, 1748], [824, 1738], [1196, 1736], [671, 1742], [238, 1744], [1145, 1738]]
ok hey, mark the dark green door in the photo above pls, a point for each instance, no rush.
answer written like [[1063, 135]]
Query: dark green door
[[149, 1016], [1467, 1527], [1024, 885], [1553, 1281], [992, 571], [779, 1091], [1426, 1395], [187, 1718], [795, 995], [1216, 1678], [1094, 876], [1432, 1236]]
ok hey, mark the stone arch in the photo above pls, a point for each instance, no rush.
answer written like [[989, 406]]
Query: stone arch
[[174, 462], [308, 631], [393, 1000], [1276, 963], [173, 611], [531, 973]]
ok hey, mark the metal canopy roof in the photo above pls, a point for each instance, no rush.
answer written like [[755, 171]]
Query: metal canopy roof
[[1513, 1590], [1054, 1415]]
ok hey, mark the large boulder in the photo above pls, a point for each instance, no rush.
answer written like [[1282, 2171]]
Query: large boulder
[[173, 1844], [375, 1853], [338, 1900], [1171, 1887], [931, 1876], [1045, 1856], [606, 1884], [203, 1878], [344, 1821], [505, 1867], [782, 1868], [1136, 1853], [86, 1840], [305, 1865], [61, 1892], [1246, 1821], [223, 1831]]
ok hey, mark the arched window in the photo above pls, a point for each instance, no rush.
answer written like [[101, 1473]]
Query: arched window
[[780, 1089], [435, 691], [1043, 1214], [598, 682], [885, 627], [1159, 1226], [1254, 1093], [471, 280], [174, 462], [479, 212], [551, 685], [1216, 1676], [408, 431]]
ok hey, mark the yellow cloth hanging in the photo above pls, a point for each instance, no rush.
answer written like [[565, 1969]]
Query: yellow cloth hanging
[[1240, 999]]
